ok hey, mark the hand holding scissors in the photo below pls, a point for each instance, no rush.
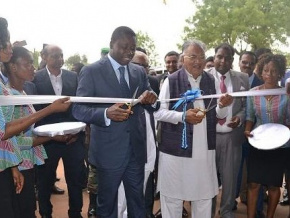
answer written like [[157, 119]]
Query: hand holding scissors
[[121, 111]]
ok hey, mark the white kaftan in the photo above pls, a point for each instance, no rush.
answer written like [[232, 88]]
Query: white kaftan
[[189, 179]]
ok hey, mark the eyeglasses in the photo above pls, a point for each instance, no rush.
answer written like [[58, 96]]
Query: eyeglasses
[[146, 66], [195, 57]]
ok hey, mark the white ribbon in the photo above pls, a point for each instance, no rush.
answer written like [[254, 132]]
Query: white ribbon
[[45, 99]]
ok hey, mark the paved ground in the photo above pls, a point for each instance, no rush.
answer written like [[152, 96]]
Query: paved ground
[[60, 203]]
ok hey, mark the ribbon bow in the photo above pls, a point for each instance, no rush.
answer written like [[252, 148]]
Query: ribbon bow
[[187, 97]]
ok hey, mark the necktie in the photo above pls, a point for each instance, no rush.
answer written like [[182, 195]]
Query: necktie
[[223, 85], [223, 90], [124, 86]]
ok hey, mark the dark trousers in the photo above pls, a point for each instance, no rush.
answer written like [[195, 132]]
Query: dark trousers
[[132, 175], [73, 159], [26, 201], [7, 195]]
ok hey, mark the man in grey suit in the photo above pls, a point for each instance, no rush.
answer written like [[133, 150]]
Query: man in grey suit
[[52, 80], [118, 138], [229, 129]]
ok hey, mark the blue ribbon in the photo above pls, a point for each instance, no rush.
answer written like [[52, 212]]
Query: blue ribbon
[[187, 97]]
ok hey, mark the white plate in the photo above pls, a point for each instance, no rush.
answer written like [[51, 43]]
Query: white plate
[[63, 128], [269, 136]]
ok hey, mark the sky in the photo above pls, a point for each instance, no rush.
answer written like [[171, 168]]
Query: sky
[[85, 26]]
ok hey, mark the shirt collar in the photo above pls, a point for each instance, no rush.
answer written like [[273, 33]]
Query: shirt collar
[[50, 74], [115, 64], [226, 74]]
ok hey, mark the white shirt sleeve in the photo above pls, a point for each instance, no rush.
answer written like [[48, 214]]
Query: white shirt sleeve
[[107, 120], [222, 112], [164, 114]]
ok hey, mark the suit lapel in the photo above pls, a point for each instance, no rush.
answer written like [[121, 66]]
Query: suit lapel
[[235, 82], [47, 83], [110, 75], [133, 78], [65, 82]]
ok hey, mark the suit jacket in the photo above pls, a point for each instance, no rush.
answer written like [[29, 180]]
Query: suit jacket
[[154, 84], [44, 87], [111, 146], [240, 82], [29, 88], [256, 81]]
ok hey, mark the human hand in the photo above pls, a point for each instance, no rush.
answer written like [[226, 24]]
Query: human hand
[[248, 134], [225, 100], [60, 105], [148, 97], [68, 139], [234, 122], [71, 139], [194, 116], [116, 113], [18, 179]]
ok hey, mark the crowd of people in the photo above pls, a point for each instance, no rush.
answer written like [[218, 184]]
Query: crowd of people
[[132, 154]]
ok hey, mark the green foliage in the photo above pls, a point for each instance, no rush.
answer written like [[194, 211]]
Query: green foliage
[[76, 58], [145, 42], [35, 55], [287, 55], [241, 23]]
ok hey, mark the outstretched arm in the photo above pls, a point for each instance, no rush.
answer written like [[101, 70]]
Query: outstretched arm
[[17, 126]]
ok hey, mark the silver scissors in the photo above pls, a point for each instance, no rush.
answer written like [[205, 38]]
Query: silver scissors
[[208, 107], [131, 104]]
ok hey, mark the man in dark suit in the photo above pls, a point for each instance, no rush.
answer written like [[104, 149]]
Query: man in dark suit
[[171, 63], [118, 140], [247, 63], [52, 80]]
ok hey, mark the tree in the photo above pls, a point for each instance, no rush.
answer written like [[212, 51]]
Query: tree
[[245, 24], [76, 58], [145, 42], [35, 55]]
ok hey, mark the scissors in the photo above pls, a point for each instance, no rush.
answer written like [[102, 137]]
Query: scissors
[[131, 104], [204, 111]]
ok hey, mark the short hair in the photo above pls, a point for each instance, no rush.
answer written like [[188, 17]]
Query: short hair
[[278, 60], [141, 49], [261, 51], [227, 47], [171, 53], [248, 53], [208, 59], [193, 42], [4, 33], [18, 52], [122, 31]]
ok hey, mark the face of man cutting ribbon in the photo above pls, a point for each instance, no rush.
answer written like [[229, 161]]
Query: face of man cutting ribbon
[[194, 60], [223, 60], [123, 49]]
